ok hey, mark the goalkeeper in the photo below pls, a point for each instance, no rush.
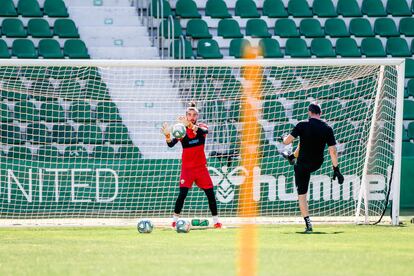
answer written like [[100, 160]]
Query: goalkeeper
[[314, 136], [194, 163]]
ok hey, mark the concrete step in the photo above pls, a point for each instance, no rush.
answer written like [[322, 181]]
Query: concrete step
[[98, 3], [109, 36], [123, 52], [103, 16]]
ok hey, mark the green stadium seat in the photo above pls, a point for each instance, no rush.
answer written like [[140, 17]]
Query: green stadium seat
[[373, 8], [117, 133], [55, 8], [345, 132], [407, 26], [270, 48], [20, 153], [208, 49], [257, 28], [229, 28], [347, 47], [5, 113], [311, 28], [42, 89], [300, 110], [366, 87], [385, 27], [48, 153], [14, 90], [12, 27], [81, 112], [231, 88], [332, 110], [197, 29], [75, 48], [29, 8], [217, 9], [405, 137], [107, 112], [274, 111], [410, 88], [64, 134], [69, 88], [76, 151], [52, 112], [335, 27], [286, 28], [409, 68], [38, 133], [90, 134], [408, 110], [321, 92], [238, 46], [225, 134], [322, 47], [129, 152], [297, 48], [299, 8], [398, 8], [160, 9], [410, 130], [407, 149], [372, 47], [96, 89], [235, 112], [4, 50], [348, 8], [324, 8], [246, 9], [7, 8], [360, 27], [104, 152], [26, 111], [50, 48], [10, 134], [65, 28], [186, 9], [37, 27], [169, 29], [274, 9], [214, 111], [281, 129], [356, 110], [181, 49], [397, 47]]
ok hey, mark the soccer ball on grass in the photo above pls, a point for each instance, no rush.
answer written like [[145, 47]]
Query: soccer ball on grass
[[183, 226], [145, 226]]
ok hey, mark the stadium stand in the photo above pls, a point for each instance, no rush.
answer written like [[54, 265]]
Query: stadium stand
[[343, 28]]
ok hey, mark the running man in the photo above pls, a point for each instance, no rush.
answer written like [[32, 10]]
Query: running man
[[194, 163], [314, 135]]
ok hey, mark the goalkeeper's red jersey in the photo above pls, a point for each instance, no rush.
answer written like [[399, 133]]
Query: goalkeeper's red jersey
[[193, 147]]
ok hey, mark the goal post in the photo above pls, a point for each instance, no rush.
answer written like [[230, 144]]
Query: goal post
[[81, 138]]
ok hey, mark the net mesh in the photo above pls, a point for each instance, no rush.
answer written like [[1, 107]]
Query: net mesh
[[82, 142]]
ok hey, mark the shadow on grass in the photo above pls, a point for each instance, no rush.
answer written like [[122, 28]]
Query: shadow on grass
[[318, 233]]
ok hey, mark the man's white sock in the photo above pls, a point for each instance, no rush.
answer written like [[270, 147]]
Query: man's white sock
[[215, 219], [175, 217]]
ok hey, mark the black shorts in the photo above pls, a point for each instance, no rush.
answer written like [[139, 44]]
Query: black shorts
[[303, 174]]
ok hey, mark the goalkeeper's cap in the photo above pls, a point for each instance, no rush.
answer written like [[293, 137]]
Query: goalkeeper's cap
[[315, 108]]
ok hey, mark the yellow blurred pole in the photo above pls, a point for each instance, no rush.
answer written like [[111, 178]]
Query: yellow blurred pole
[[250, 144]]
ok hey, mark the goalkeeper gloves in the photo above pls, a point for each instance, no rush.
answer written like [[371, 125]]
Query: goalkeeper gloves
[[166, 131], [338, 174], [282, 138]]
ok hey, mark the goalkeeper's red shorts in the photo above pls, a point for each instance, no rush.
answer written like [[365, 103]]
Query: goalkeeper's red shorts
[[199, 175]]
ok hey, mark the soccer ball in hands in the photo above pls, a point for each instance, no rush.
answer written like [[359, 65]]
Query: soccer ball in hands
[[178, 131], [183, 226], [145, 226]]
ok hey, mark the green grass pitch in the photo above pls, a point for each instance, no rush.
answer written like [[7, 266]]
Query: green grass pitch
[[332, 250]]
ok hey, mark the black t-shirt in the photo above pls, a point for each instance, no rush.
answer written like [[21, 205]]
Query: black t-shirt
[[314, 135]]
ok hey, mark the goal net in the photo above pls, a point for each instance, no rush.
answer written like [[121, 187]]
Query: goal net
[[81, 139]]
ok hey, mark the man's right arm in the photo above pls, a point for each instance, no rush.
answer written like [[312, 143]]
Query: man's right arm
[[334, 155]]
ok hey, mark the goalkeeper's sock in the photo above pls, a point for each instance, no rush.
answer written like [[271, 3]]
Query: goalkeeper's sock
[[308, 224], [215, 219], [175, 217]]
